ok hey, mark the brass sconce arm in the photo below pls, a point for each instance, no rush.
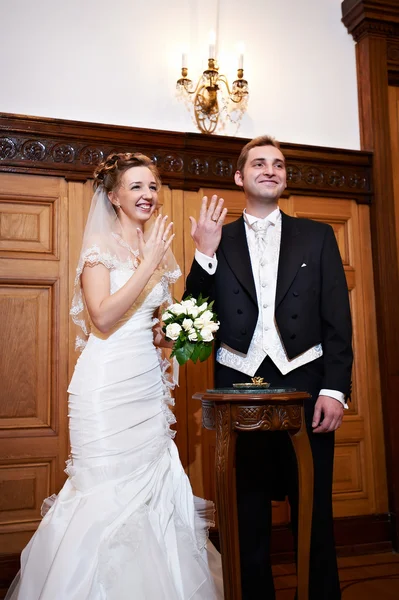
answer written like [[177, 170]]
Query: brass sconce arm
[[206, 105]]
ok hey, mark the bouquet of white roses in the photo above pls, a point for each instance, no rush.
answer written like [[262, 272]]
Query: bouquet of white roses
[[190, 324]]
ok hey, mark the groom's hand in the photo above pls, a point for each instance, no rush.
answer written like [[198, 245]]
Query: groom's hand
[[327, 416], [208, 231]]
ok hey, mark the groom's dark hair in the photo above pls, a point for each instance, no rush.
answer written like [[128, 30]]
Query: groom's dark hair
[[262, 140]]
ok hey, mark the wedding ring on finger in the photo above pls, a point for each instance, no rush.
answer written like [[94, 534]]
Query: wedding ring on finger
[[214, 220]]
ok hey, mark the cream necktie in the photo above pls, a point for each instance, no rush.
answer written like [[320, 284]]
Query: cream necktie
[[260, 228]]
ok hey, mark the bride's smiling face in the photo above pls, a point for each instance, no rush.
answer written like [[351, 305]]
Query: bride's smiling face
[[137, 194]]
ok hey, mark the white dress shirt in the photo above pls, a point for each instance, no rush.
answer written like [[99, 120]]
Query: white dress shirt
[[264, 250]]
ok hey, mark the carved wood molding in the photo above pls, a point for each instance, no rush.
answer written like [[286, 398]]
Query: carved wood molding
[[378, 18], [223, 433], [208, 414], [375, 28], [189, 161], [266, 418], [252, 417], [393, 62], [393, 54]]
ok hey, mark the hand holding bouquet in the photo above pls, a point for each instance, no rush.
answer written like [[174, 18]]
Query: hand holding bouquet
[[191, 325]]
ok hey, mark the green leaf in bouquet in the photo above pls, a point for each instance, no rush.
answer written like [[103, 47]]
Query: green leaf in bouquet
[[205, 352], [183, 353], [177, 344], [196, 352]]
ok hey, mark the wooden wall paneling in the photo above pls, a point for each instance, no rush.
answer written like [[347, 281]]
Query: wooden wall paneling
[[393, 96], [198, 376], [26, 384], [25, 227], [355, 488], [29, 221], [186, 161], [171, 204], [371, 380], [34, 340], [79, 200], [374, 25], [182, 401]]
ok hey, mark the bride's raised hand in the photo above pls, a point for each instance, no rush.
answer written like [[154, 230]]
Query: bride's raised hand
[[153, 250]]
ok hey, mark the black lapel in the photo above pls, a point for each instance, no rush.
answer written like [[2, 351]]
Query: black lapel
[[291, 255], [235, 248]]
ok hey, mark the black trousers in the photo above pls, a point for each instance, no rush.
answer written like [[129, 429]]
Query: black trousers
[[266, 471]]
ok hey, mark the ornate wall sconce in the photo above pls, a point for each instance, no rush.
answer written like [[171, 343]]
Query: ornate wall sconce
[[212, 97]]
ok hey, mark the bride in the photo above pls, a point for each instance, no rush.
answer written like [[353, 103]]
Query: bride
[[125, 525]]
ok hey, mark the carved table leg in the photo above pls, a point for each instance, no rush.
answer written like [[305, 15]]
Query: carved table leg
[[226, 502], [304, 458]]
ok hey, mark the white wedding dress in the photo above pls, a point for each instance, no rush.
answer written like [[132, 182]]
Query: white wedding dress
[[125, 526]]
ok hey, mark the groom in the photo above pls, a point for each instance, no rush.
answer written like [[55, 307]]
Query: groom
[[282, 300]]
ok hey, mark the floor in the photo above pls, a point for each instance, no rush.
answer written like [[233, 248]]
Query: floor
[[369, 577]]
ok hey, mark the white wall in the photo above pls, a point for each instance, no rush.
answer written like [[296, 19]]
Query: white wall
[[117, 62]]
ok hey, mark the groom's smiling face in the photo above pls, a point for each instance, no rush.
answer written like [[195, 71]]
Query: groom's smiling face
[[264, 177]]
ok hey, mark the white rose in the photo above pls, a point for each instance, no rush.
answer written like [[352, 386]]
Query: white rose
[[207, 316], [206, 334], [192, 335], [172, 331], [203, 307], [199, 322], [213, 326], [193, 312], [204, 320], [188, 304], [187, 324], [166, 315], [177, 309]]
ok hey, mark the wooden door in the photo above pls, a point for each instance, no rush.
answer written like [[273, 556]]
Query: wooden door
[[33, 350], [359, 471]]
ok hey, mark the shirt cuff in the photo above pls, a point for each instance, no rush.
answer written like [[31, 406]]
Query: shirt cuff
[[336, 395], [208, 263]]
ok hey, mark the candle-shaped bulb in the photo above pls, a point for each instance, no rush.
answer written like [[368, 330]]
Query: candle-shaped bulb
[[212, 43], [240, 48], [184, 60]]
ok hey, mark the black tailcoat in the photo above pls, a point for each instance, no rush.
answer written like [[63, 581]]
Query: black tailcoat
[[312, 304]]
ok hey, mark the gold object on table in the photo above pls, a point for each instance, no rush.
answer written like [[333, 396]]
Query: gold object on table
[[256, 382]]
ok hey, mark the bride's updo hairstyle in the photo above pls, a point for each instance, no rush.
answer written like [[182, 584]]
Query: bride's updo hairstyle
[[110, 171]]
